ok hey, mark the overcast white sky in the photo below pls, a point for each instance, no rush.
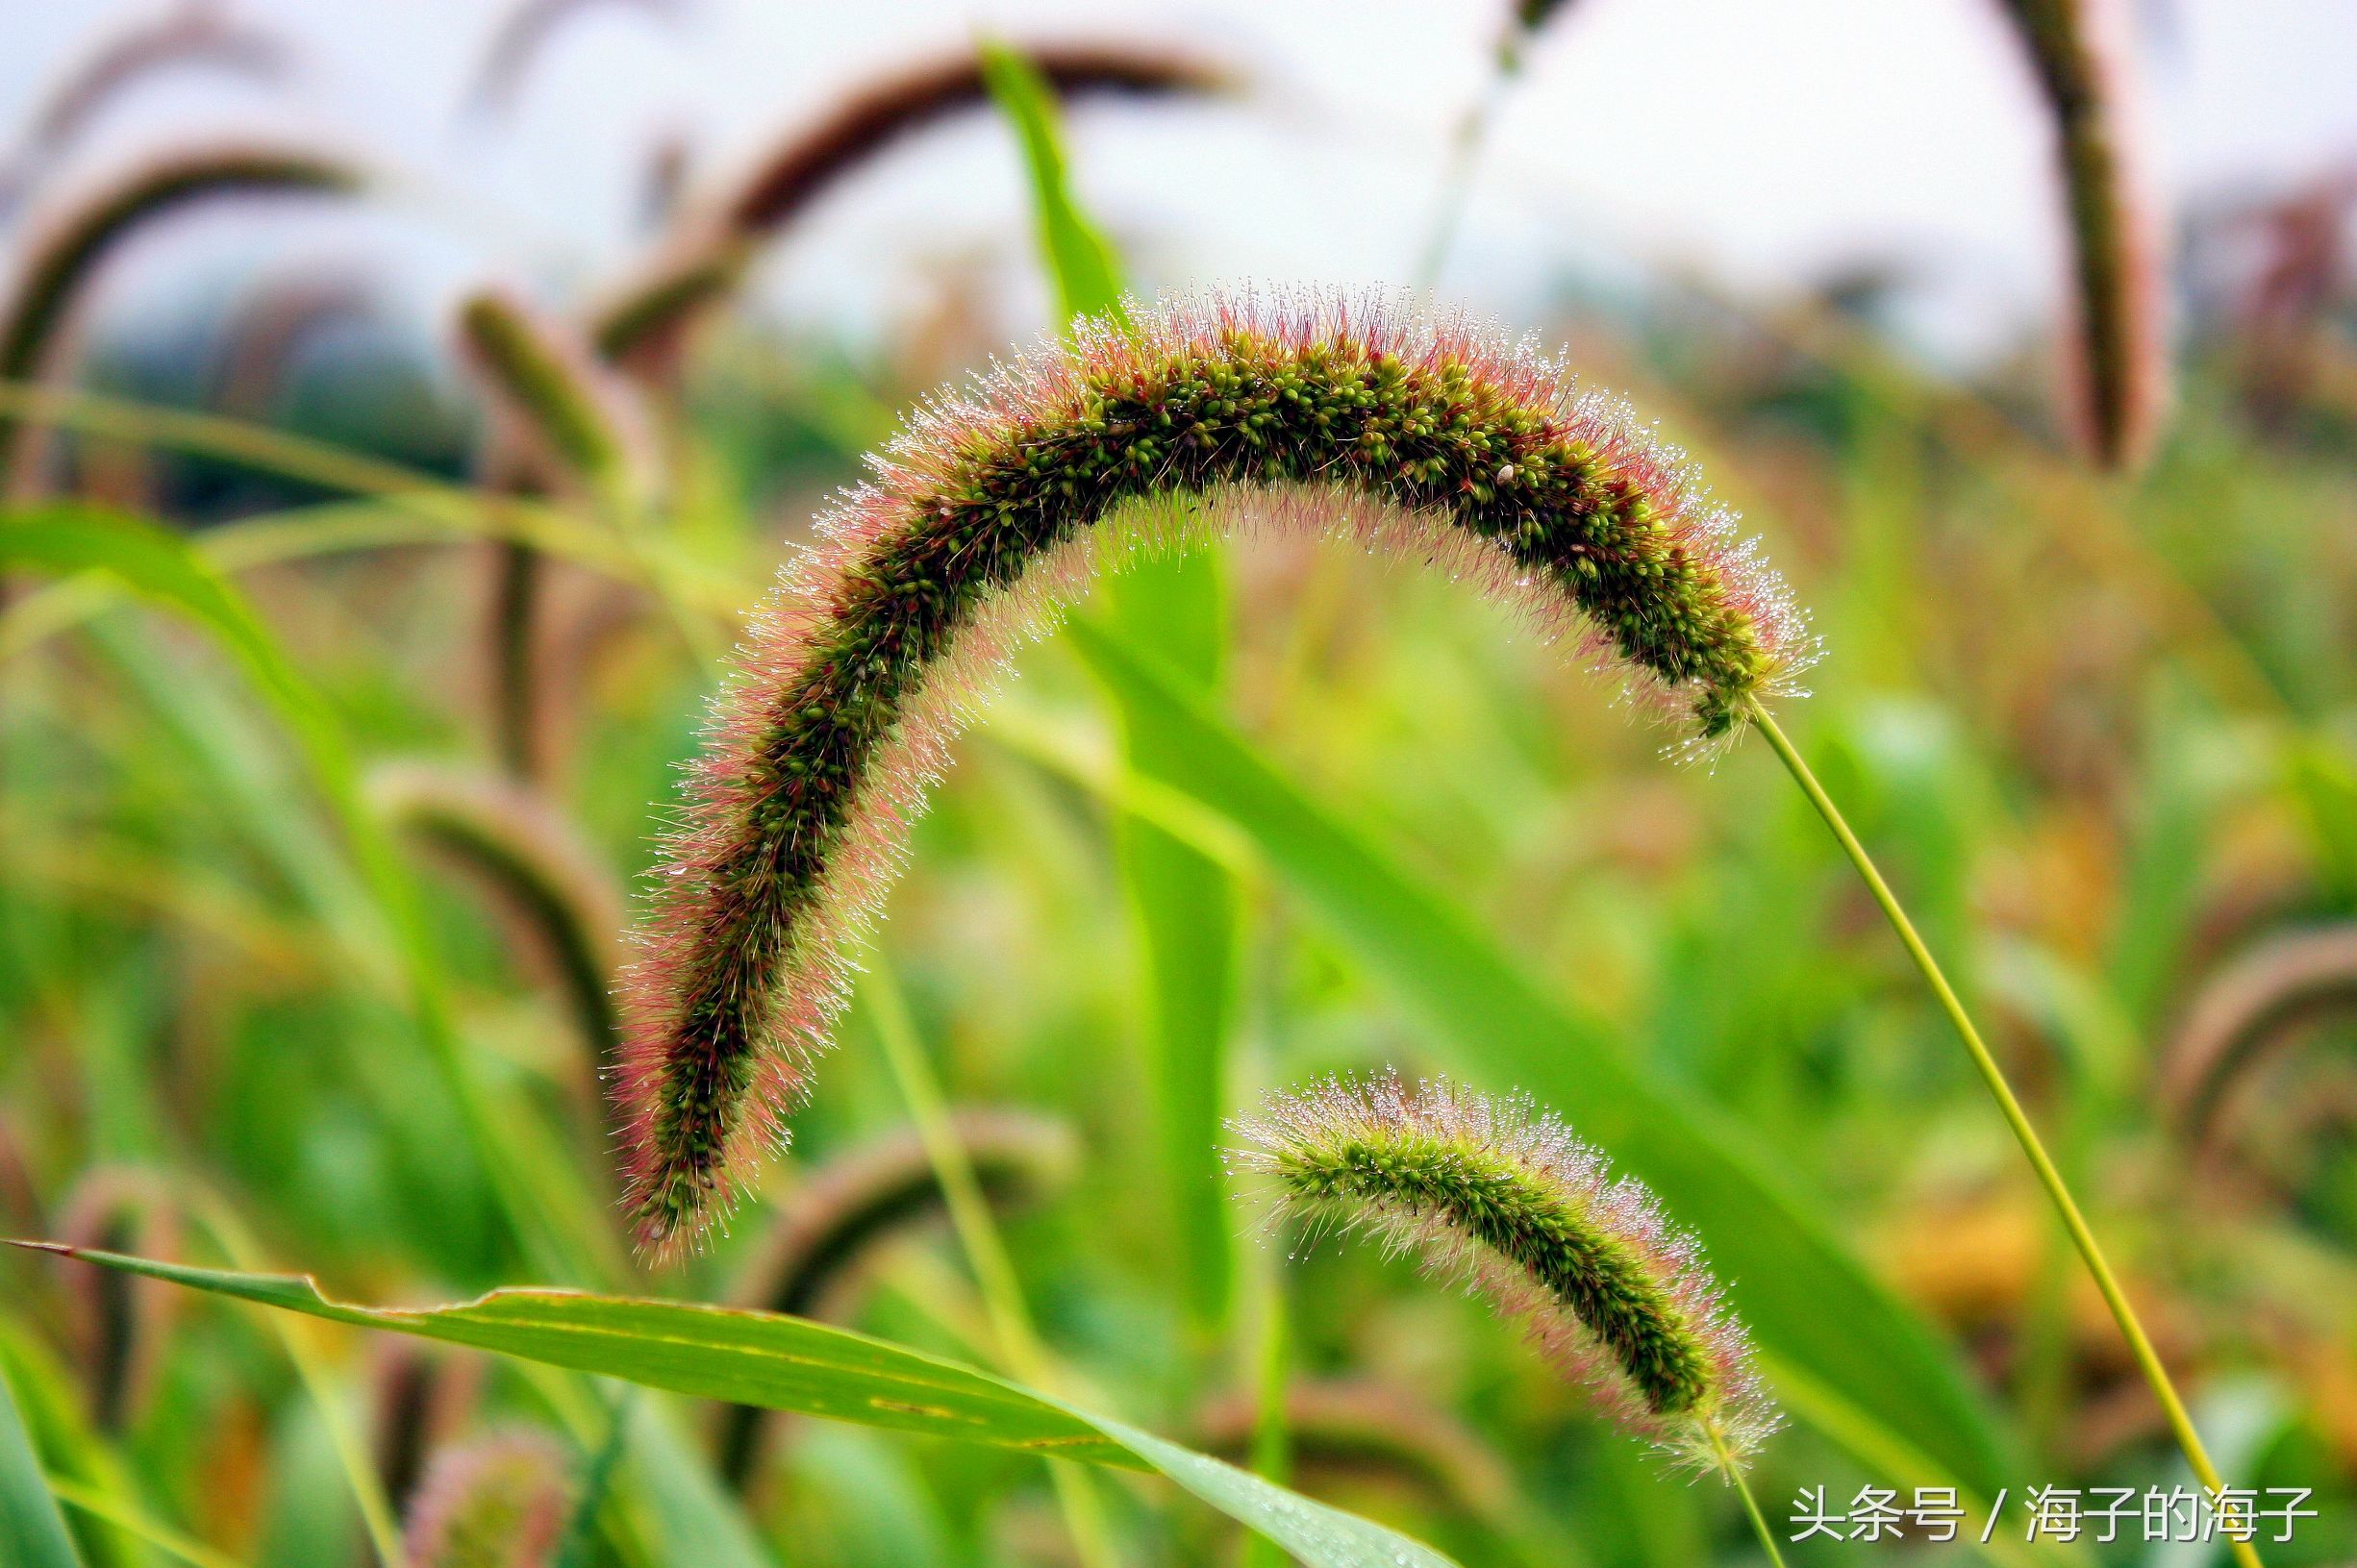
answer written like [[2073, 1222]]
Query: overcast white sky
[[1758, 143]]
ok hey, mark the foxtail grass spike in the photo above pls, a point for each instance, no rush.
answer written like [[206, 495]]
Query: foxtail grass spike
[[1439, 441], [550, 391], [2250, 1007], [1507, 1199], [644, 325], [73, 241], [854, 1203], [499, 1502], [518, 843], [2083, 54], [195, 33], [118, 1326]]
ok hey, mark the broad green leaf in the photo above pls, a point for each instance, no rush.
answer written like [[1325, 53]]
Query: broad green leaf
[[31, 1531], [1807, 1299], [1184, 902], [787, 1363]]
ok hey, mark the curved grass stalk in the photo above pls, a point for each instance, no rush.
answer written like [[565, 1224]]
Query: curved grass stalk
[[61, 261], [645, 324], [1442, 442], [2084, 56], [518, 844], [2049, 1175], [1506, 1199], [864, 1197]]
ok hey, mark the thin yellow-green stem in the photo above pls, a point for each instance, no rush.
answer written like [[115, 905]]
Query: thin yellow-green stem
[[620, 553], [1272, 1438], [986, 1250], [124, 1517], [1457, 177], [1742, 1488], [376, 1510], [2049, 1175]]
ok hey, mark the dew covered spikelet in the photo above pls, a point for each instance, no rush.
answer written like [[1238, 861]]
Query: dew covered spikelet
[[864, 1197], [498, 1501], [2083, 55], [1439, 442], [643, 324], [1507, 1199], [71, 243]]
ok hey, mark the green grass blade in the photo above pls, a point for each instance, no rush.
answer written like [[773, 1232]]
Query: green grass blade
[[786, 1363], [1809, 1300], [71, 538], [1184, 902], [1081, 260], [32, 1531]]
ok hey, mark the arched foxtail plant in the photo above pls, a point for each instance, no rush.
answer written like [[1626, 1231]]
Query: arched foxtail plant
[[38, 309], [645, 324], [1508, 1199], [1436, 440], [2082, 53]]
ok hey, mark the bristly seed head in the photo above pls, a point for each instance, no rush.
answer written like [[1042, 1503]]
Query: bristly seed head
[[1436, 440], [1494, 1193]]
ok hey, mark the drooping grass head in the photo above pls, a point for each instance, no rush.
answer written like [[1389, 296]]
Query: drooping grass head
[[704, 261], [1509, 1200], [498, 1501], [1439, 441]]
